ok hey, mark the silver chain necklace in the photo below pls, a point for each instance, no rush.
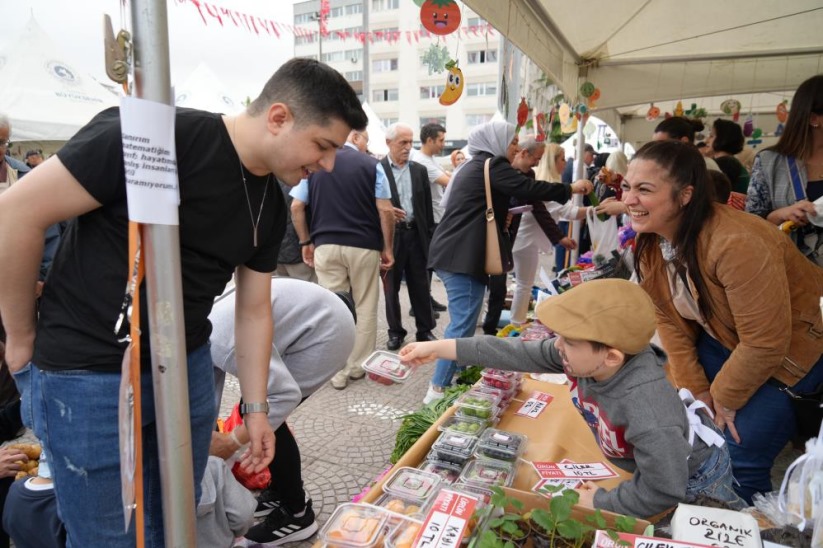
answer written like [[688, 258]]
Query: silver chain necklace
[[254, 223]]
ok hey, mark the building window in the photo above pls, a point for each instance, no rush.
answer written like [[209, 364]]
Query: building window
[[385, 33], [301, 18], [384, 5], [482, 56], [354, 75], [333, 56], [389, 121], [474, 22], [383, 95], [353, 9], [305, 39], [432, 120], [477, 119], [431, 92], [384, 65], [336, 12], [482, 88], [354, 55]]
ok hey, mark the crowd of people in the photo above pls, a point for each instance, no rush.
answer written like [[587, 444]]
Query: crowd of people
[[732, 299]]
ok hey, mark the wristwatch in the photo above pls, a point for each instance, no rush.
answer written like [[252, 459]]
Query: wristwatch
[[304, 244], [246, 408]]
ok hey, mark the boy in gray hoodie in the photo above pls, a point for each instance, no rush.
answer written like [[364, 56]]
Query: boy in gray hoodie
[[617, 382]]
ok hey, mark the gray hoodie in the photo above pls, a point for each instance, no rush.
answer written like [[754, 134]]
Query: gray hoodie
[[226, 508], [636, 416]]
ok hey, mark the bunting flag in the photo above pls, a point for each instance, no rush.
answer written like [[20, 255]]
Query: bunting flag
[[212, 13]]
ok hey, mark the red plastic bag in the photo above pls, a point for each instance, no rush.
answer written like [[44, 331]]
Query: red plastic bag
[[260, 480]]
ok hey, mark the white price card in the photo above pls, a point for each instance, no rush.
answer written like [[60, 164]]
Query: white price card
[[535, 405], [627, 540], [447, 520], [549, 487], [574, 470], [150, 161]]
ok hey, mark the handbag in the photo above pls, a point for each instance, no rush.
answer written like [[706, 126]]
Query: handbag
[[494, 261], [807, 410]]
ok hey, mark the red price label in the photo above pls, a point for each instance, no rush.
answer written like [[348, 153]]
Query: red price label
[[446, 522], [535, 405], [602, 540]]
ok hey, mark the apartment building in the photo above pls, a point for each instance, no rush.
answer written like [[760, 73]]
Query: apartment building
[[378, 44]]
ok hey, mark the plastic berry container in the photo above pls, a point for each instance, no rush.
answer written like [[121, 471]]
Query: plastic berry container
[[480, 406], [504, 380], [403, 535], [479, 491], [463, 425], [411, 483], [503, 398], [454, 447], [407, 507], [355, 526], [500, 445], [488, 472], [385, 368], [447, 471]]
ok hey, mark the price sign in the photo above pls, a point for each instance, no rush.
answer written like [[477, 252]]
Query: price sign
[[626, 540], [541, 486], [534, 405], [446, 522], [574, 470]]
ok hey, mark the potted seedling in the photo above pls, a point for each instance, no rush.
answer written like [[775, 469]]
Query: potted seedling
[[507, 528]]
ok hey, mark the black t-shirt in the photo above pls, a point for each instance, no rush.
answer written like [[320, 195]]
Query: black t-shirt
[[84, 292]]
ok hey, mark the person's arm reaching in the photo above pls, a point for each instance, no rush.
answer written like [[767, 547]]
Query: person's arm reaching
[[51, 194], [254, 329]]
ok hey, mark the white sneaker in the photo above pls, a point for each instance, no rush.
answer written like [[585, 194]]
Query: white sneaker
[[432, 395], [340, 380]]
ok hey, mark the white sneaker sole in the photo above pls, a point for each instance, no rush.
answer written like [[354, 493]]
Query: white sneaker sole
[[302, 534]]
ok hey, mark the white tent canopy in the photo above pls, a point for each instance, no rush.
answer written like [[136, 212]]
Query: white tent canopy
[[377, 132], [203, 90], [639, 51], [43, 95]]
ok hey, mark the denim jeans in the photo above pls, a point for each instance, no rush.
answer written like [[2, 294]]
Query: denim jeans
[[765, 424], [714, 480], [75, 416], [465, 294]]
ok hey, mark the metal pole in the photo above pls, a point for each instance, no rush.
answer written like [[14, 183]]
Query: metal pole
[[579, 173], [161, 250]]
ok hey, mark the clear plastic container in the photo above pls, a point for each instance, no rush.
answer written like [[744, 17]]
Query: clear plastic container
[[385, 368], [496, 378], [407, 507], [479, 491], [463, 425], [454, 447], [447, 472], [488, 472], [501, 445], [355, 526], [403, 535], [410, 483], [479, 517], [481, 406]]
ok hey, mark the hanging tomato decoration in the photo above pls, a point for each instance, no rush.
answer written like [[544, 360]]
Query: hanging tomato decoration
[[594, 96], [540, 122], [522, 113], [454, 84], [653, 113], [440, 17]]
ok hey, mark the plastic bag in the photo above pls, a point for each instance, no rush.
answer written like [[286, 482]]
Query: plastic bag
[[260, 480], [801, 493], [603, 234]]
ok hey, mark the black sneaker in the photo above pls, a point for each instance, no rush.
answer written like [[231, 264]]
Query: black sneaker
[[281, 526], [268, 500]]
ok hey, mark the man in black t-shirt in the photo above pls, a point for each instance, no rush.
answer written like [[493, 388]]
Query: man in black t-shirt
[[232, 219]]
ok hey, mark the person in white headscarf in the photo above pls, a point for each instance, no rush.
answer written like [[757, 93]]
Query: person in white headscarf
[[458, 248]]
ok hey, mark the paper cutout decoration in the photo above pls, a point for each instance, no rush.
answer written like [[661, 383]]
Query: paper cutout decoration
[[440, 17], [522, 113], [782, 111], [731, 107], [587, 89], [748, 126], [678, 109], [454, 84], [564, 113], [653, 113], [540, 123]]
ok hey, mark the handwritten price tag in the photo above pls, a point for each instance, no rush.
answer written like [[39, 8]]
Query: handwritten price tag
[[574, 470], [602, 540], [541, 486], [535, 405], [447, 520]]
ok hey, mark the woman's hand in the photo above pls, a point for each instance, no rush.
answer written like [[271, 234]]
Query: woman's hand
[[798, 213], [567, 243], [724, 418], [418, 353], [582, 186], [261, 450], [611, 206]]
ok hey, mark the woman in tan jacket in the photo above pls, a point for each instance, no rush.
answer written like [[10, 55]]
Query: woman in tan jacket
[[737, 305]]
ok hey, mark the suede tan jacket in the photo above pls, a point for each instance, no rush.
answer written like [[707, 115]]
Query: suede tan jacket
[[765, 299]]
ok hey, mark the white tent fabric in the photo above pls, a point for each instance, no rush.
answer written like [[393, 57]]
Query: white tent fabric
[[377, 132], [43, 95], [638, 51], [203, 90]]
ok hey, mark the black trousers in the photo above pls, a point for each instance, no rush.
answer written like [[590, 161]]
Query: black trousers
[[497, 299], [409, 259]]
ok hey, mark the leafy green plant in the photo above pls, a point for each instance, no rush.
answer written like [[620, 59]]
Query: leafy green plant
[[470, 375], [506, 528]]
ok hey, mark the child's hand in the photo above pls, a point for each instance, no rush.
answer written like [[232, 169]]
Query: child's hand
[[586, 492], [418, 353]]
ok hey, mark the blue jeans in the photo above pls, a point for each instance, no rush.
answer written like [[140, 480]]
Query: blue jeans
[[765, 424], [75, 416], [714, 480], [465, 294]]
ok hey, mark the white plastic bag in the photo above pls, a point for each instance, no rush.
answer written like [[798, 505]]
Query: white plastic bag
[[801, 493], [603, 234]]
